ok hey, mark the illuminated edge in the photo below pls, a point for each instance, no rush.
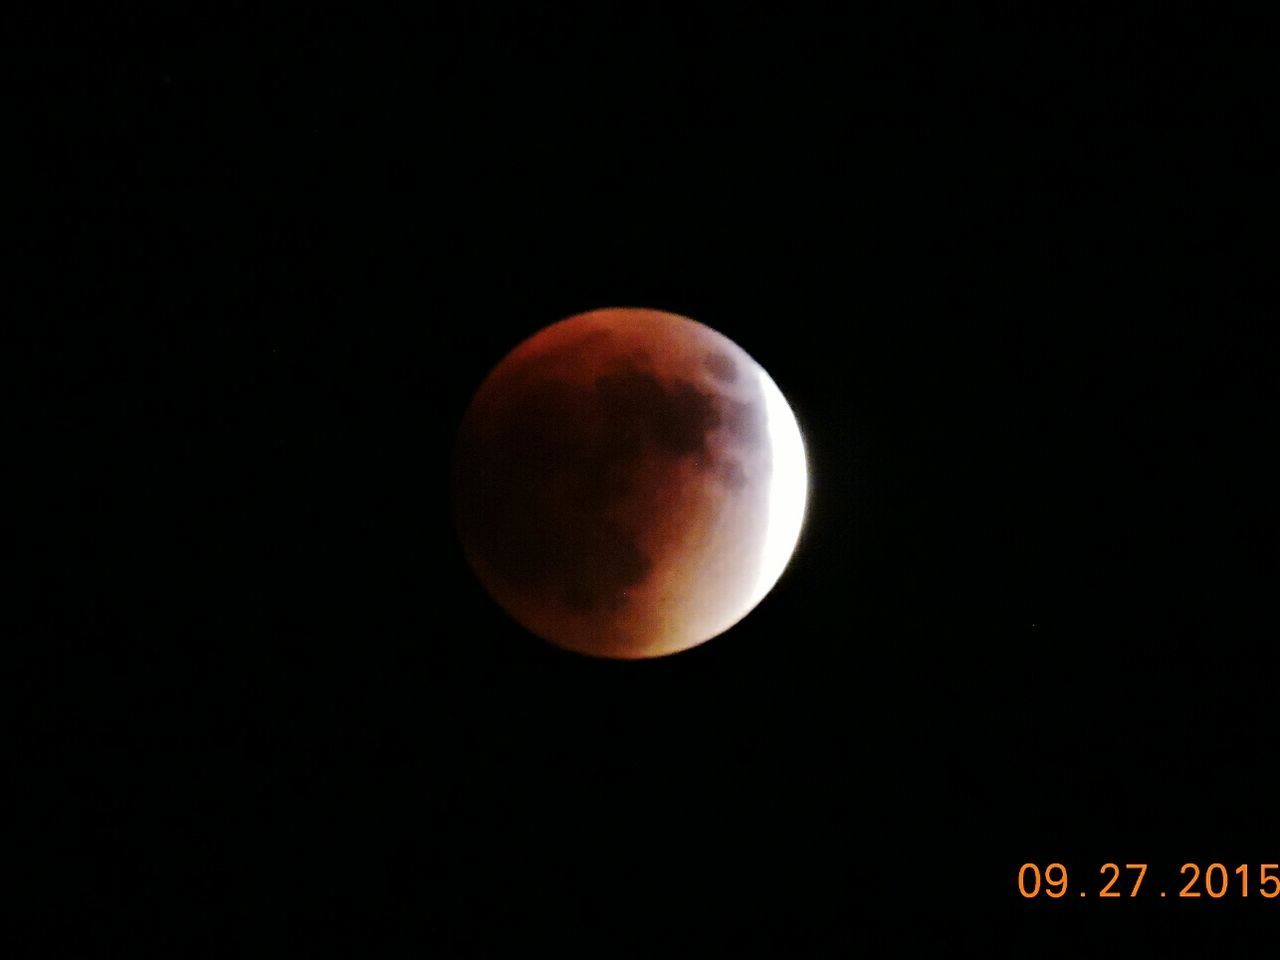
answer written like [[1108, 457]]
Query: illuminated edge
[[788, 487]]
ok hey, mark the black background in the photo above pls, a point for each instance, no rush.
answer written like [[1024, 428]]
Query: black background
[[1010, 273]]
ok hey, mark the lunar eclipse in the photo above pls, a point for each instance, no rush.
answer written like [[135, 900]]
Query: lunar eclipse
[[628, 483]]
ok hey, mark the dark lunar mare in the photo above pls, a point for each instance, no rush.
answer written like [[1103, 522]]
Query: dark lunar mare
[[550, 474]]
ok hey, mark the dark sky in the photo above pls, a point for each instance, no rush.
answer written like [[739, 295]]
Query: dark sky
[[1009, 271]]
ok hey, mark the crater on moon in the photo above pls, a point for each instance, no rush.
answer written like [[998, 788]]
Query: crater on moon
[[721, 366]]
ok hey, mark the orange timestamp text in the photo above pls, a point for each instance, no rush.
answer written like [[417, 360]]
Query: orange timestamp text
[[1214, 881]]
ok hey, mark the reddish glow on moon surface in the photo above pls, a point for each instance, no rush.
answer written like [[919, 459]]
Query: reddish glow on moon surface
[[628, 483]]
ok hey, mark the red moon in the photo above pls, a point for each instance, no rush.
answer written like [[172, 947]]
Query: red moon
[[628, 483]]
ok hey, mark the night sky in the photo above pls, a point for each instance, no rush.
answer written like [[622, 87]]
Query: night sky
[[1010, 274]]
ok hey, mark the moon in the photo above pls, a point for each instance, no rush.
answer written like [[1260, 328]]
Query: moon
[[628, 483]]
